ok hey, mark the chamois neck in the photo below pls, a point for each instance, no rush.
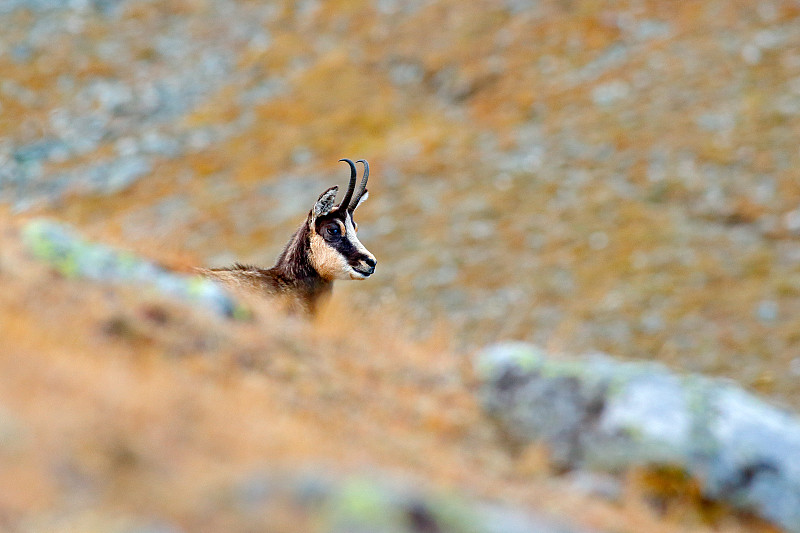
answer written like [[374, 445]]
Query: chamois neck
[[294, 262]]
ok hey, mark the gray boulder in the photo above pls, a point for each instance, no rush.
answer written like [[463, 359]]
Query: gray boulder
[[62, 248], [600, 413]]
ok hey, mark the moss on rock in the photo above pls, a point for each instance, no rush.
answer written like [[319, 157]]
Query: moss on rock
[[61, 247]]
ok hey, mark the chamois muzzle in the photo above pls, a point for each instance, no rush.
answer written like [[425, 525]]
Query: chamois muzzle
[[365, 266]]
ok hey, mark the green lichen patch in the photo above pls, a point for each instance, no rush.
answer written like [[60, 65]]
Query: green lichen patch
[[74, 257]]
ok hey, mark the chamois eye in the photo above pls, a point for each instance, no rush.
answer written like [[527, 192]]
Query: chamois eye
[[334, 231]]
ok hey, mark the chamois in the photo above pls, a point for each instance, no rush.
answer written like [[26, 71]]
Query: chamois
[[325, 247]]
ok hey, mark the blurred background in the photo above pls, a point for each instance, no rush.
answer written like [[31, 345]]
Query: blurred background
[[590, 176], [594, 176]]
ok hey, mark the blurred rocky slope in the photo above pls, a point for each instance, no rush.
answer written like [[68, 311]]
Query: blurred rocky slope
[[593, 413], [584, 175], [127, 407]]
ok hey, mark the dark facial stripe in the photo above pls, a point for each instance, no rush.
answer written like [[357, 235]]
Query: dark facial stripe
[[342, 245], [348, 250]]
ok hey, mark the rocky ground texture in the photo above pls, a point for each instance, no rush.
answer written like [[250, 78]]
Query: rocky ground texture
[[126, 407], [582, 175], [587, 176]]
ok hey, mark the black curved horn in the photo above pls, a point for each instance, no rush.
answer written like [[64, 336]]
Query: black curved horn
[[349, 194], [361, 186]]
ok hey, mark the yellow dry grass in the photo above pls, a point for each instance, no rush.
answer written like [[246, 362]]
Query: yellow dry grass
[[116, 403]]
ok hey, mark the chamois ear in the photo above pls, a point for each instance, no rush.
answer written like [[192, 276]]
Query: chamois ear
[[324, 203], [361, 199]]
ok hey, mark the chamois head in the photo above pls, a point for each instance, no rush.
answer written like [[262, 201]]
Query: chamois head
[[335, 251]]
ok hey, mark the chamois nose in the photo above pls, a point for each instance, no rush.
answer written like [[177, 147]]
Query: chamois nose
[[366, 265]]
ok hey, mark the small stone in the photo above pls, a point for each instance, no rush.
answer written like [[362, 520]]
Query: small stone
[[767, 311], [126, 146], [124, 172], [481, 229], [595, 484], [42, 150], [751, 54], [153, 142], [768, 39], [652, 322], [610, 93], [302, 155], [767, 11], [21, 53], [406, 73], [716, 121], [792, 221], [598, 240], [652, 29], [503, 181]]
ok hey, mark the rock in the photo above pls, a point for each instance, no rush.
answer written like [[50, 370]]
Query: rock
[[652, 29], [21, 53], [610, 93], [600, 485], [360, 505], [607, 415], [767, 311], [43, 149], [363, 505], [61, 247]]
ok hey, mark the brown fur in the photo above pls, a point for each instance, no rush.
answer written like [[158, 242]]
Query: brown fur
[[305, 270], [295, 297], [294, 281]]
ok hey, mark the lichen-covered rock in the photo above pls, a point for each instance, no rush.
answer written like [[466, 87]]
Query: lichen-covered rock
[[356, 505], [360, 505], [600, 413], [67, 252]]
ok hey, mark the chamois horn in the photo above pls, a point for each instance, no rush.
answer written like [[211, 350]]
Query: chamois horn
[[361, 186], [349, 194]]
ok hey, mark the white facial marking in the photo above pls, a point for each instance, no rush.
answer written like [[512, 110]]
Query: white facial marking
[[350, 234], [362, 199], [353, 238], [329, 262]]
